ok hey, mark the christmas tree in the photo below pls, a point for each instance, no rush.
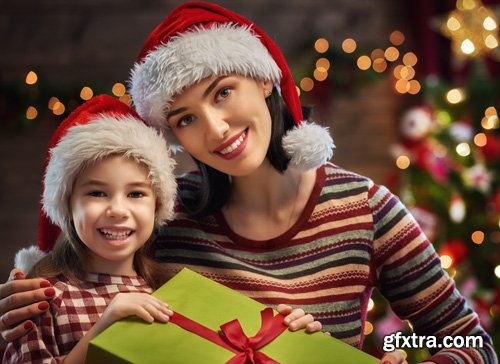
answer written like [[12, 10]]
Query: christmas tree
[[449, 161]]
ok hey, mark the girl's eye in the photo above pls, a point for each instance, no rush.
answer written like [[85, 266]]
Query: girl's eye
[[96, 194], [223, 93], [136, 194]]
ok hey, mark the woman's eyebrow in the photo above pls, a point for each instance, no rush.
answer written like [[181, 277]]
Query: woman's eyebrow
[[205, 94], [212, 86]]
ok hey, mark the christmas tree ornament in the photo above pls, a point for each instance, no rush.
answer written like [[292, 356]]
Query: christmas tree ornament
[[457, 209], [416, 123]]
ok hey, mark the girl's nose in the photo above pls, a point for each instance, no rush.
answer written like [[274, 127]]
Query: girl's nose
[[117, 209]]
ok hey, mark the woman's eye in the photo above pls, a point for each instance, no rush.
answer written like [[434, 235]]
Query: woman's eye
[[184, 121], [96, 194], [223, 93]]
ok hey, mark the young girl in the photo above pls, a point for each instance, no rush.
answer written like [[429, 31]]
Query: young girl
[[109, 182]]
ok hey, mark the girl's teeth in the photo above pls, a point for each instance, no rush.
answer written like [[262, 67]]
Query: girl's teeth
[[235, 144], [110, 234]]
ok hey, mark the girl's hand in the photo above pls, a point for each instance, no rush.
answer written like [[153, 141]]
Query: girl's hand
[[143, 305], [20, 300], [394, 357], [297, 319]]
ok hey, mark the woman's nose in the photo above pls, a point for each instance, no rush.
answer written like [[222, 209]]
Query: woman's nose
[[216, 126]]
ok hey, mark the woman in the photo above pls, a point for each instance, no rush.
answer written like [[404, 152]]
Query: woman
[[266, 215]]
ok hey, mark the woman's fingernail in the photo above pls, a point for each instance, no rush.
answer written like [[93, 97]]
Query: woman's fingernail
[[386, 362], [28, 325], [18, 275], [49, 292], [43, 306], [170, 312], [44, 284]]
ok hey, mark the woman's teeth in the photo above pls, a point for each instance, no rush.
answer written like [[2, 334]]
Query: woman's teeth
[[235, 144]]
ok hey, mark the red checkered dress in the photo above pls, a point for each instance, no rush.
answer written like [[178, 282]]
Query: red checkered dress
[[73, 311]]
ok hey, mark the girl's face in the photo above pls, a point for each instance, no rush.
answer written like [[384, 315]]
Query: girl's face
[[224, 122], [113, 209]]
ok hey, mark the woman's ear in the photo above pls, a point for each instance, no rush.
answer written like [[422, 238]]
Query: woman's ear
[[268, 88]]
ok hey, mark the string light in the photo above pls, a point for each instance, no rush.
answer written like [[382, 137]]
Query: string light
[[397, 38], [306, 84], [52, 102], [58, 108], [320, 75], [391, 54], [463, 149], [414, 87], [368, 328], [321, 45], [402, 86], [323, 64], [379, 65], [410, 59], [403, 162], [118, 89], [455, 96], [349, 45], [446, 261], [480, 139], [126, 99], [31, 78], [371, 304], [477, 237], [364, 62], [86, 93], [497, 271], [377, 53], [457, 209], [31, 113]]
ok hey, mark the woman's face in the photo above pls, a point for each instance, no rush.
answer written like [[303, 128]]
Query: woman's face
[[224, 122]]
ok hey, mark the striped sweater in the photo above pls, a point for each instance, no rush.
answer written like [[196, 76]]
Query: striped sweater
[[352, 236]]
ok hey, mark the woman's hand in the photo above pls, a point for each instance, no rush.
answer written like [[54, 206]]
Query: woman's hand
[[143, 305], [297, 319], [394, 357], [20, 300]]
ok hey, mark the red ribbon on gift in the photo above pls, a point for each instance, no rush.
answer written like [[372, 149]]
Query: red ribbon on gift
[[232, 337]]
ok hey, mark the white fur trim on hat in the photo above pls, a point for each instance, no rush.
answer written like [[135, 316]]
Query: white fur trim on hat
[[26, 258], [308, 145], [189, 58], [103, 136]]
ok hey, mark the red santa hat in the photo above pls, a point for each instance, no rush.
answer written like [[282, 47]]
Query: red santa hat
[[101, 127], [199, 40]]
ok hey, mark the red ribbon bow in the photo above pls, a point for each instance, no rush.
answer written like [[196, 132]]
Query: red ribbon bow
[[234, 339]]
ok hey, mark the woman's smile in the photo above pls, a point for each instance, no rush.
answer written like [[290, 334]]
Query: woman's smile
[[234, 146]]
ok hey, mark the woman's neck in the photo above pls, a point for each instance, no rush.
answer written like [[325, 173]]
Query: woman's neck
[[269, 200]]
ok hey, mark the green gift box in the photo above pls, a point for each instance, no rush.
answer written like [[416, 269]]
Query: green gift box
[[208, 304]]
